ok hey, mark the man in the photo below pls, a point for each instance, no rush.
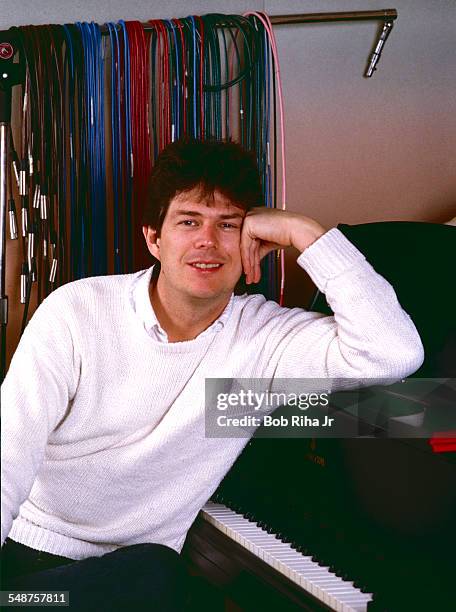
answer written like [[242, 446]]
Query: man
[[105, 459]]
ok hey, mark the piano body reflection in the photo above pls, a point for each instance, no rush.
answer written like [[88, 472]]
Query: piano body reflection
[[364, 524]]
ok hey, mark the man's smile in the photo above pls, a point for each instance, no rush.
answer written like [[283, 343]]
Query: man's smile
[[206, 266]]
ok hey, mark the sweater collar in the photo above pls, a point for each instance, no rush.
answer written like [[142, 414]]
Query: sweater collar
[[144, 310]]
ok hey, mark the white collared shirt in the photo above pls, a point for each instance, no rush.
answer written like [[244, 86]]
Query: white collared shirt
[[144, 309]]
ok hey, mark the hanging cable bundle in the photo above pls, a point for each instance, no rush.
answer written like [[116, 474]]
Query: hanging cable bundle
[[23, 179], [58, 208], [122, 155], [160, 88], [41, 179], [94, 145], [265, 21], [70, 133], [85, 147], [211, 76], [116, 142], [139, 101]]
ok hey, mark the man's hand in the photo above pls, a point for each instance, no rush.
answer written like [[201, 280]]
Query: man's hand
[[267, 229]]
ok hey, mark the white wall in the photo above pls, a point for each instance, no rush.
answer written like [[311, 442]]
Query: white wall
[[381, 148]]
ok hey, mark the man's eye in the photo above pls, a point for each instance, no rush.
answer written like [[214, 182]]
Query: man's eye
[[229, 226], [188, 222]]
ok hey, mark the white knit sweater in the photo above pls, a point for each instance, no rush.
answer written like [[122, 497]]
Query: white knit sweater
[[103, 441]]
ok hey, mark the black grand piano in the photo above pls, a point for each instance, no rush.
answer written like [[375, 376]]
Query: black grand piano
[[361, 524]]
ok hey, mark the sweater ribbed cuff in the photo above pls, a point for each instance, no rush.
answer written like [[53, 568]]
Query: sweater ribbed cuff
[[39, 538], [328, 257]]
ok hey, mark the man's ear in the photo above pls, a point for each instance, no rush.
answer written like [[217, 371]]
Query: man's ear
[[152, 241]]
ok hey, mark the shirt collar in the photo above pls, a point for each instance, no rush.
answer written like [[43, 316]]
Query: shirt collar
[[143, 308]]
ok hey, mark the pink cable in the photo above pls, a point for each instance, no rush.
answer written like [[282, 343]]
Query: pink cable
[[268, 27]]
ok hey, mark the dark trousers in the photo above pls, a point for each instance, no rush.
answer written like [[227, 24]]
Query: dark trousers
[[139, 577]]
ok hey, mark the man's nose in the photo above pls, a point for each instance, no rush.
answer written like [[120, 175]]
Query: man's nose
[[206, 237]]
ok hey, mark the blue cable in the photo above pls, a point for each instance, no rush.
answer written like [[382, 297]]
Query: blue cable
[[227, 74], [115, 102], [81, 168], [176, 84], [94, 149], [128, 147], [85, 151], [121, 263], [100, 202], [69, 58]]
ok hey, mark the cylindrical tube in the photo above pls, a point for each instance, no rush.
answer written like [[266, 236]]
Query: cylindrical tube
[[22, 183], [43, 207], [16, 174], [23, 283], [4, 133], [36, 197], [387, 27], [30, 250], [53, 272], [24, 219], [23, 177], [12, 219]]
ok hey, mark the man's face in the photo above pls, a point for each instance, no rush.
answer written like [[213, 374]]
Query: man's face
[[198, 247]]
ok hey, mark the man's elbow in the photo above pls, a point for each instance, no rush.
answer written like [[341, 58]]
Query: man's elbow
[[413, 358], [403, 359]]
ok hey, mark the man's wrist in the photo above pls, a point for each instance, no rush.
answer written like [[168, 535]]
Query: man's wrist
[[304, 232]]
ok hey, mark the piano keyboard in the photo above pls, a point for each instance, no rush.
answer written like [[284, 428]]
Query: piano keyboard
[[325, 586]]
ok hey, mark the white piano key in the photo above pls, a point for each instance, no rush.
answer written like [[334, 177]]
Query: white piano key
[[351, 598], [254, 533], [265, 539], [302, 566], [256, 542], [289, 554], [356, 606]]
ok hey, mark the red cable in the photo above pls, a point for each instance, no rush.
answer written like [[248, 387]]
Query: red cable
[[157, 82], [201, 75], [139, 104], [184, 74], [123, 195], [166, 85]]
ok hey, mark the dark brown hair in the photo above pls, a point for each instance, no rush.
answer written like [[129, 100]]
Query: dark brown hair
[[209, 165]]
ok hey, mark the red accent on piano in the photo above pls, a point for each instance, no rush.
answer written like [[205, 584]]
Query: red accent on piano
[[443, 442]]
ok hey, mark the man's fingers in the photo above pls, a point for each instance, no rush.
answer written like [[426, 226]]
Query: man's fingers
[[245, 255], [252, 252], [252, 259], [253, 249], [257, 263]]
